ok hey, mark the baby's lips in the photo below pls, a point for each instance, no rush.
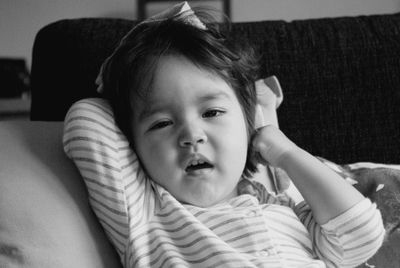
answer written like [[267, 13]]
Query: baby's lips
[[196, 157]]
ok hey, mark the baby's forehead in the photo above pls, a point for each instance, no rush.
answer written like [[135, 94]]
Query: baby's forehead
[[153, 98], [175, 77]]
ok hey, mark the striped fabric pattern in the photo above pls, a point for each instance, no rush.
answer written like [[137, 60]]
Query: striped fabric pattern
[[150, 228]]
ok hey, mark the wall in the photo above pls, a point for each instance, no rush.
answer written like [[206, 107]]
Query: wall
[[21, 19], [301, 9]]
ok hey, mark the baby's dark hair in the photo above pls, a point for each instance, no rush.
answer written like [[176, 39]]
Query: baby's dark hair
[[128, 74]]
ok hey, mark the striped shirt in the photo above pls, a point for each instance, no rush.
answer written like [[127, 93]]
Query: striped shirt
[[150, 228]]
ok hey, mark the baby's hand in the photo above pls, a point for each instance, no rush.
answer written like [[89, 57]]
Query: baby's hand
[[269, 93], [270, 144], [269, 98]]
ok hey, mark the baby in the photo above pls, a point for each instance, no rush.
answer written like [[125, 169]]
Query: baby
[[176, 192]]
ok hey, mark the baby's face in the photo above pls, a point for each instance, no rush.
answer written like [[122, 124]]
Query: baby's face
[[190, 134]]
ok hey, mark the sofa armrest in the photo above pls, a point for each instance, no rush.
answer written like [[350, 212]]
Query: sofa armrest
[[45, 218]]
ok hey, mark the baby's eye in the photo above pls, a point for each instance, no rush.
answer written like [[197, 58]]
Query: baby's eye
[[160, 124], [213, 113]]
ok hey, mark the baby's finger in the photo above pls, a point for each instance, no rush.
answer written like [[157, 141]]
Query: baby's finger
[[273, 83], [259, 159], [256, 157], [259, 146]]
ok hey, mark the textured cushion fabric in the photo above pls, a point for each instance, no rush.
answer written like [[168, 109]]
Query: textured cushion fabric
[[45, 218], [339, 75], [66, 59], [341, 83]]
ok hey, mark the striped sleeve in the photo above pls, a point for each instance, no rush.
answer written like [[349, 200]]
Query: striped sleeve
[[349, 239], [117, 187]]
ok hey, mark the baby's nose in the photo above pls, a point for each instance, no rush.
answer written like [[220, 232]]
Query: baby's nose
[[192, 136]]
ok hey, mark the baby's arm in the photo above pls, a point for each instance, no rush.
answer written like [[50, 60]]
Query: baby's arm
[[326, 192], [345, 228], [118, 191]]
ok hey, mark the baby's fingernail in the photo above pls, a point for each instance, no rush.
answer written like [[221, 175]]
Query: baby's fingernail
[[263, 90], [261, 87]]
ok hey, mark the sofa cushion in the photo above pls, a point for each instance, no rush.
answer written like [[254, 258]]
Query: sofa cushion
[[45, 218]]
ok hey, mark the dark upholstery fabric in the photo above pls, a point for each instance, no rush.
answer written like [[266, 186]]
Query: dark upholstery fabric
[[340, 77], [66, 59]]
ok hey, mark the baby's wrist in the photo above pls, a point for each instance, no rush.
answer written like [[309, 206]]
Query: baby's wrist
[[285, 158]]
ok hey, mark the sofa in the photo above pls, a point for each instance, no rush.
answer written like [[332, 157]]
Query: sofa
[[341, 84]]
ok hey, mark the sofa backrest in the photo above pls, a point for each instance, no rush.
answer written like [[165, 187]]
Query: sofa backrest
[[340, 77]]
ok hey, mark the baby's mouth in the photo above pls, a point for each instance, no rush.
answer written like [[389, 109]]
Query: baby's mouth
[[198, 165]]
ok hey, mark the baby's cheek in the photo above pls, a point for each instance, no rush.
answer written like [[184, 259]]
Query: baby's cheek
[[236, 152], [147, 157], [162, 159]]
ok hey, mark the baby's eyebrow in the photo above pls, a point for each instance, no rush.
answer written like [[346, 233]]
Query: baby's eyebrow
[[214, 95], [149, 110], [157, 107]]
